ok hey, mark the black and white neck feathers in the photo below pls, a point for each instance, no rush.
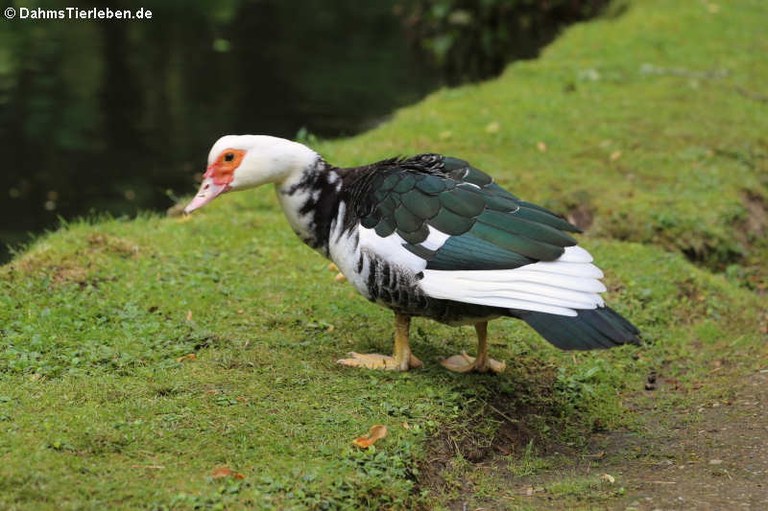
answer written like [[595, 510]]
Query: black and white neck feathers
[[310, 200]]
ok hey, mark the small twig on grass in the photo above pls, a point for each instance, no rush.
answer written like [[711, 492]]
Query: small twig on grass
[[502, 414], [756, 96]]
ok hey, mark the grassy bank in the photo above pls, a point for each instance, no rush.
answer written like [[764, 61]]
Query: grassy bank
[[139, 358]]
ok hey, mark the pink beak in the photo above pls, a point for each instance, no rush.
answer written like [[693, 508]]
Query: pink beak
[[208, 191]]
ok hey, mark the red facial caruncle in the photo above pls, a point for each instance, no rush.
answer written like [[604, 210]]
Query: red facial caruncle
[[222, 170], [217, 178]]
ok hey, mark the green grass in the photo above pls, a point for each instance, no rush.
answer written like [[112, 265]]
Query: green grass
[[649, 125]]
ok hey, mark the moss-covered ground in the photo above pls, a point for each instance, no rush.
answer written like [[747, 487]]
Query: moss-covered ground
[[169, 363]]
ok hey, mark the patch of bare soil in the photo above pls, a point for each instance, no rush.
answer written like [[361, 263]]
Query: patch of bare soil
[[717, 462]]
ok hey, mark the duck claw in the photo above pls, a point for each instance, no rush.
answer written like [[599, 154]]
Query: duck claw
[[464, 363], [380, 362]]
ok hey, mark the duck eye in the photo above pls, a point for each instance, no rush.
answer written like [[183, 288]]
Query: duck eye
[[229, 156]]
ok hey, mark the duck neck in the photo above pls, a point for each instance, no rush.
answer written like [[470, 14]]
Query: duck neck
[[310, 200]]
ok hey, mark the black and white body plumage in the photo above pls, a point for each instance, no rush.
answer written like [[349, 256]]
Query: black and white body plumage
[[432, 236]]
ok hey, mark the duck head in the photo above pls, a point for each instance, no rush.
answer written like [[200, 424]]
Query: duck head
[[237, 162]]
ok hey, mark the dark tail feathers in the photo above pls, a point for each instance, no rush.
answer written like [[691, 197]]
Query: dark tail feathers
[[591, 329]]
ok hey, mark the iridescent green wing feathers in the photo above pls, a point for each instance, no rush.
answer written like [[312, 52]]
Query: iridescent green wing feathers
[[487, 227]]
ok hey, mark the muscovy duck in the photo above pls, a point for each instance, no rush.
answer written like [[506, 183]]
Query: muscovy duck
[[433, 236]]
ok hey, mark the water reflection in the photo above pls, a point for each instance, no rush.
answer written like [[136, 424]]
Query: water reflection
[[114, 116]]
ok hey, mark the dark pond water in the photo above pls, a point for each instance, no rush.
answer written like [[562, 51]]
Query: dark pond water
[[117, 116]]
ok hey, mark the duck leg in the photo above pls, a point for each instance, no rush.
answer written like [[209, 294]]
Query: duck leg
[[402, 360], [463, 363]]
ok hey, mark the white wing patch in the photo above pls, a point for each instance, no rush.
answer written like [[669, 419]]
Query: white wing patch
[[558, 287], [573, 254], [390, 249], [435, 240]]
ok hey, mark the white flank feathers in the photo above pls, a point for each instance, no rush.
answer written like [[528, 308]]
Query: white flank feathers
[[558, 287], [344, 251], [360, 245]]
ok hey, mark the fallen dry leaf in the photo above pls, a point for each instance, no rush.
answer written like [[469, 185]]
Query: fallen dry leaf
[[376, 433], [529, 491], [221, 472], [189, 315], [542, 147], [608, 478], [186, 358]]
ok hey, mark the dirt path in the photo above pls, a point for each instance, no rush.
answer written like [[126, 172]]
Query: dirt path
[[718, 462], [709, 457]]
